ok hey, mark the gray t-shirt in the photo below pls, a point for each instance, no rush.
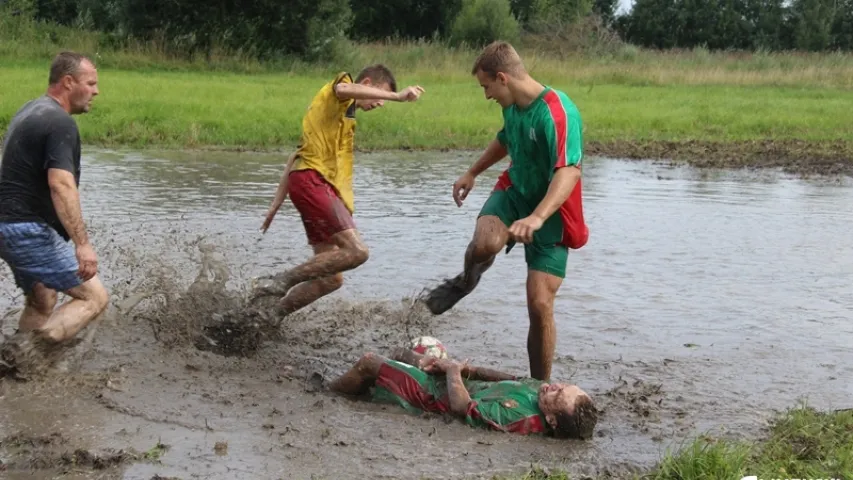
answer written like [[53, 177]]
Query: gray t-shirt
[[41, 135]]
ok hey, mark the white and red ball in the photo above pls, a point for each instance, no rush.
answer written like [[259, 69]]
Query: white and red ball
[[428, 346]]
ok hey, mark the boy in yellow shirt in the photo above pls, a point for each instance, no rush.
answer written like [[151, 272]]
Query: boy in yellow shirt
[[318, 178]]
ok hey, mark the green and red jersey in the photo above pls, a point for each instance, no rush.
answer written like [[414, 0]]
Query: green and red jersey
[[508, 405], [541, 138]]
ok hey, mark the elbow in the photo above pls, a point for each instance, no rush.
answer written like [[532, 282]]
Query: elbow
[[459, 408], [59, 188], [342, 91]]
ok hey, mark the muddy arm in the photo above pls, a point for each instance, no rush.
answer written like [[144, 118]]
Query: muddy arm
[[456, 391], [470, 372]]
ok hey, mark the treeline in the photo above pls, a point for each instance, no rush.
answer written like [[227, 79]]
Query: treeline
[[807, 25], [318, 29]]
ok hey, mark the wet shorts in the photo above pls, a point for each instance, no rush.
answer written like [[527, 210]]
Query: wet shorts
[[36, 253], [545, 253], [409, 387], [322, 210]]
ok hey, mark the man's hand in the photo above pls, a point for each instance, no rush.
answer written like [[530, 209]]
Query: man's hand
[[522, 230], [462, 187], [440, 365], [410, 94], [88, 262]]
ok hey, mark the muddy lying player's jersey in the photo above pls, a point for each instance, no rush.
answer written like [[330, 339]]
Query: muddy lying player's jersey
[[508, 405]]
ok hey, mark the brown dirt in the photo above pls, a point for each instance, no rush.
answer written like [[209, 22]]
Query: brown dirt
[[798, 157], [54, 453]]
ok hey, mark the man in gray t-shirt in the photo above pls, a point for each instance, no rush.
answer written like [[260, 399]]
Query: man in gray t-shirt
[[40, 212]]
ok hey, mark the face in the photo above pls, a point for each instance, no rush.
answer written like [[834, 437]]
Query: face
[[558, 397], [83, 89], [497, 88], [369, 104]]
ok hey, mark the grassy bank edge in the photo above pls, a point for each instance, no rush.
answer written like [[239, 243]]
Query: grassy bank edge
[[798, 157], [800, 442]]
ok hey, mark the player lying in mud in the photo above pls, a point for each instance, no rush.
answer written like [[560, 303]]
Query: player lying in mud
[[484, 398]]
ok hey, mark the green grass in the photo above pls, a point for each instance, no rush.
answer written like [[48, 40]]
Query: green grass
[[800, 443], [630, 98], [263, 110]]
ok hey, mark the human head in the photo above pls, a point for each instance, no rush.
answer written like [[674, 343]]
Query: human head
[[568, 410], [73, 81], [496, 68], [378, 76]]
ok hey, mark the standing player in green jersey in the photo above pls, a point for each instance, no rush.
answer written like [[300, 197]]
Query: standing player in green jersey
[[537, 200], [484, 398]]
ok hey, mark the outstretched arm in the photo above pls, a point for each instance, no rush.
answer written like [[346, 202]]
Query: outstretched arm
[[357, 91]]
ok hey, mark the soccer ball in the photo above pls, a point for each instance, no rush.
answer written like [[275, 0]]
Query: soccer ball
[[428, 346]]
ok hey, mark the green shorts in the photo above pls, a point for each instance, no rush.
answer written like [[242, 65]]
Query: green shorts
[[546, 253]]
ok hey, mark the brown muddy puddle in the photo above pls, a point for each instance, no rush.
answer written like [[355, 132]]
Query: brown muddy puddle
[[705, 300]]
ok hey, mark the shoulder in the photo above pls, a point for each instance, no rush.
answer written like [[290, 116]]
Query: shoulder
[[557, 110], [45, 117], [342, 77]]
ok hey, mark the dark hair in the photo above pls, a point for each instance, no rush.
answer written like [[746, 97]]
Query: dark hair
[[498, 57], [378, 73], [579, 424], [65, 63]]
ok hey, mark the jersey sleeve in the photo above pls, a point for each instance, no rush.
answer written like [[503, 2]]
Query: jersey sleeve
[[342, 77], [501, 137], [59, 144], [562, 133]]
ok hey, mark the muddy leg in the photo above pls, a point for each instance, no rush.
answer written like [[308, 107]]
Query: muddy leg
[[344, 251], [38, 307], [490, 236], [542, 335], [88, 301], [307, 293], [360, 377]]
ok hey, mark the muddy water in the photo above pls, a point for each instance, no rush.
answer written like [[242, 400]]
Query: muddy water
[[704, 301]]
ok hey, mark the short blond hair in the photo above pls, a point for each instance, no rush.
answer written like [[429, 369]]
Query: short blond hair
[[497, 57]]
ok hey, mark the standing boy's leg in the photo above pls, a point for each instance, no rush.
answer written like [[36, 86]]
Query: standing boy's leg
[[546, 263]]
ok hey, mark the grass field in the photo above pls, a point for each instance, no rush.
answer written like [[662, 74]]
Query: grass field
[[696, 105], [263, 110]]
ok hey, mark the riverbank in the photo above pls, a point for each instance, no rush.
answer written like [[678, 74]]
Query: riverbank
[[799, 443]]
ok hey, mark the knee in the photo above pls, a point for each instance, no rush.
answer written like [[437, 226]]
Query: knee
[[484, 248], [360, 254], [364, 363], [97, 299], [101, 299], [335, 282], [541, 308]]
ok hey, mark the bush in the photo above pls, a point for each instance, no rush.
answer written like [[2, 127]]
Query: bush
[[483, 21]]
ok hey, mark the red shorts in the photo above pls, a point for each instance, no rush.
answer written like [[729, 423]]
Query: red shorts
[[322, 210]]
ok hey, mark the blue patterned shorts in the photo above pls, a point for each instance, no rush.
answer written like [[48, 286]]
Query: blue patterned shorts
[[36, 253]]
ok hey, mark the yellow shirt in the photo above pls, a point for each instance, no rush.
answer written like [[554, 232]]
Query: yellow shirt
[[326, 146]]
